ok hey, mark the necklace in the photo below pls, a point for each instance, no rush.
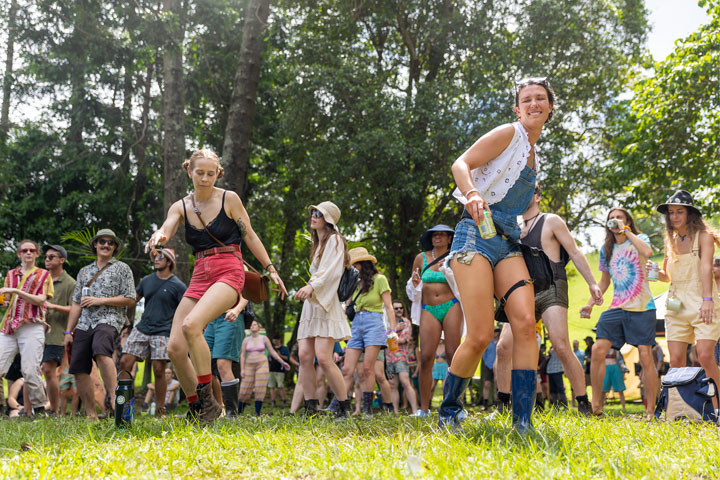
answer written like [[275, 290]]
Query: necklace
[[682, 237], [531, 219], [432, 252]]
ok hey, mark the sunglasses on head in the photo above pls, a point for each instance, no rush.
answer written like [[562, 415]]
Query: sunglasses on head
[[531, 81], [316, 214], [103, 241], [28, 250]]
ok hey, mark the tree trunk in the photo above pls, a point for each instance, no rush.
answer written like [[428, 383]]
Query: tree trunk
[[7, 76], [236, 147], [175, 186]]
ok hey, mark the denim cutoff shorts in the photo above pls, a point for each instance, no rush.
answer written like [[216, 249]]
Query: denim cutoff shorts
[[368, 329]]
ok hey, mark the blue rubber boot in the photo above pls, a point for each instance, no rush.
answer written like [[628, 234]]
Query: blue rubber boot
[[451, 409], [523, 398]]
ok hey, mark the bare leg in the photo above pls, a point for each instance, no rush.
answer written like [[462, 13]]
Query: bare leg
[[395, 392], [430, 330], [297, 397], [52, 384], [597, 372], [320, 385], [351, 359], [87, 394], [307, 376], [106, 365], [556, 321], [706, 356], [409, 390], [622, 400], [383, 383], [368, 368], [649, 378], [324, 351], [178, 348], [452, 326], [503, 359]]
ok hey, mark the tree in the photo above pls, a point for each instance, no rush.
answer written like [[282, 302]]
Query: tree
[[7, 75]]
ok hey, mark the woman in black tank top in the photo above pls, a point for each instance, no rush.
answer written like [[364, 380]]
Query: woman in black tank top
[[218, 275]]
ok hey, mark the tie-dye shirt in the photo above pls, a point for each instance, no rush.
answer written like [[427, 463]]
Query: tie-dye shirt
[[629, 277]]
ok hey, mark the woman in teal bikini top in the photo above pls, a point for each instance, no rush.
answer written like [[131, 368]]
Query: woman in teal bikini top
[[436, 306]]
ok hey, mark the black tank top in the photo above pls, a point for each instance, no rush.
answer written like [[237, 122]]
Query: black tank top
[[534, 239], [223, 227]]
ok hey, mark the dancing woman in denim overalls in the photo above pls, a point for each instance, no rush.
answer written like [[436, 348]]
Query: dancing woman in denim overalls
[[498, 174]]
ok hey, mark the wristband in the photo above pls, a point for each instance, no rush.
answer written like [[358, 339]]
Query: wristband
[[68, 333], [625, 228], [470, 191], [707, 299], [269, 265]]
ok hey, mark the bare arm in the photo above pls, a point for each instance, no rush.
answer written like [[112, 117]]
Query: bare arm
[[643, 248], [416, 273], [64, 309], [563, 236], [118, 301], [38, 299], [274, 353], [603, 285], [232, 315], [243, 351], [483, 150], [237, 209], [389, 310], [707, 248], [662, 273], [73, 317], [168, 228]]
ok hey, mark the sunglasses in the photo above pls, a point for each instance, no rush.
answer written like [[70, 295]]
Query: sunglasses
[[316, 214], [50, 257], [109, 242], [28, 250], [397, 308]]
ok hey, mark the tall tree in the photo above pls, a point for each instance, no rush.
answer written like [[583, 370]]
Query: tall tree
[[236, 147], [8, 73], [175, 180]]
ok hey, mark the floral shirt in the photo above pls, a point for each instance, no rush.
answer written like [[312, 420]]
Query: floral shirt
[[116, 281], [404, 332], [631, 290]]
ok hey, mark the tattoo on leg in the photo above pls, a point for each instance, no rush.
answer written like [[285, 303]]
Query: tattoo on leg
[[243, 228]]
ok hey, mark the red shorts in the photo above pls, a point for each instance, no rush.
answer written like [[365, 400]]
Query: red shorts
[[221, 267]]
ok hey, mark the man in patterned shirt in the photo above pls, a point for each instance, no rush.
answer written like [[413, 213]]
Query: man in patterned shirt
[[103, 292]]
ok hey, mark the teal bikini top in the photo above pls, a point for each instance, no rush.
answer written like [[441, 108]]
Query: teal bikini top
[[431, 276]]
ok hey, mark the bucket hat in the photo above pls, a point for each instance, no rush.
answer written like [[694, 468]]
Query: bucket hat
[[426, 239], [681, 198], [105, 232], [330, 211], [359, 254]]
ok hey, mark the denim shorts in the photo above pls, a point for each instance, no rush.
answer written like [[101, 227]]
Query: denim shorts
[[622, 326], [368, 329], [467, 242]]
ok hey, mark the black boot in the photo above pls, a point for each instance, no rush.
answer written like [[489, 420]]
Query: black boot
[[451, 409], [367, 403], [343, 410], [193, 411], [230, 397], [539, 402], [311, 407], [388, 407], [523, 398], [584, 407], [503, 402], [334, 405], [241, 407], [258, 407]]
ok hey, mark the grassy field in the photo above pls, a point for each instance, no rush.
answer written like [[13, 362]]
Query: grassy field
[[563, 446]]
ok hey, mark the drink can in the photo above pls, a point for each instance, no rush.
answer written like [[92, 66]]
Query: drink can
[[612, 223], [487, 226], [653, 271], [85, 291]]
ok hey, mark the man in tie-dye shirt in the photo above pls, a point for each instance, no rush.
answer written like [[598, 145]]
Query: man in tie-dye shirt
[[631, 316]]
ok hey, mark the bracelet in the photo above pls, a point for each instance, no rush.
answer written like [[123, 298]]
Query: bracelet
[[470, 191], [625, 228], [68, 333], [707, 299], [269, 265]]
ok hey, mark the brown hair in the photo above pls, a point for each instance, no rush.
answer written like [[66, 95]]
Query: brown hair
[[207, 154], [543, 82], [318, 246], [27, 240], [610, 236], [695, 225]]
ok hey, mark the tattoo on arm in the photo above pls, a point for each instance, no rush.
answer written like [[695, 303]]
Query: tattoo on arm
[[243, 228]]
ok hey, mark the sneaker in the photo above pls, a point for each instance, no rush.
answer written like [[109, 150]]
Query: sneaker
[[420, 414]]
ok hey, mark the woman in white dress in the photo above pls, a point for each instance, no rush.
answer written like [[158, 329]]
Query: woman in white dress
[[323, 320]]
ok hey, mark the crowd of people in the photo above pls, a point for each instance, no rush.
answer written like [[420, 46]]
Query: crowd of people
[[476, 296]]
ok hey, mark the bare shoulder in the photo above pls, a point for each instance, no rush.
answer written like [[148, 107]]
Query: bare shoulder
[[500, 136], [555, 221]]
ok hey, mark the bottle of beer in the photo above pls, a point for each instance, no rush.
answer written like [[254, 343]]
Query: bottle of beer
[[124, 400]]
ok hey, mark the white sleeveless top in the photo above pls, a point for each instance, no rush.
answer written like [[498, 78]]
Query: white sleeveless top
[[494, 179]]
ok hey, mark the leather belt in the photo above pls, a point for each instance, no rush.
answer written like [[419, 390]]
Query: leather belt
[[216, 250]]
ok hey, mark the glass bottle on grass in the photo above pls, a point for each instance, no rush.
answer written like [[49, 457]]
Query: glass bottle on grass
[[487, 226]]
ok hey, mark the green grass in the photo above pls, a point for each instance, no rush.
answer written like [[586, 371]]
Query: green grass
[[563, 446]]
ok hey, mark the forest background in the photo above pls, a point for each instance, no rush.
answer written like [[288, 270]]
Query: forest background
[[362, 102]]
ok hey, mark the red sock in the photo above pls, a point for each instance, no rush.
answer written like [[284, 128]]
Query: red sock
[[204, 378], [192, 398]]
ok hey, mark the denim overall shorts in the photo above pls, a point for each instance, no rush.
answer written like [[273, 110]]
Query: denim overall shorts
[[467, 240]]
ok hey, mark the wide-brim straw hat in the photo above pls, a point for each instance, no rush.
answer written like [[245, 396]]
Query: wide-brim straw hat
[[330, 211], [359, 254], [105, 232], [681, 198], [426, 239]]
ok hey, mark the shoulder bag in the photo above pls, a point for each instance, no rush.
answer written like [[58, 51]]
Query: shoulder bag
[[256, 288]]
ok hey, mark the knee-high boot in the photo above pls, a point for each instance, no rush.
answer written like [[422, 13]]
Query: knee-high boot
[[451, 409], [230, 397], [523, 398]]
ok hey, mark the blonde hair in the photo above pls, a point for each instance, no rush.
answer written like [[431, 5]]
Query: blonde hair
[[206, 154]]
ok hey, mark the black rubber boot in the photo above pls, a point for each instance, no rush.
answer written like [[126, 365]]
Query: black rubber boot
[[388, 407], [523, 398], [311, 407], [539, 402], [230, 397], [451, 410], [334, 405], [343, 410], [504, 402], [367, 403], [584, 407]]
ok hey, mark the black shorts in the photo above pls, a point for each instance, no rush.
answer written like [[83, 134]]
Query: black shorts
[[90, 343], [556, 382], [14, 372], [53, 353]]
